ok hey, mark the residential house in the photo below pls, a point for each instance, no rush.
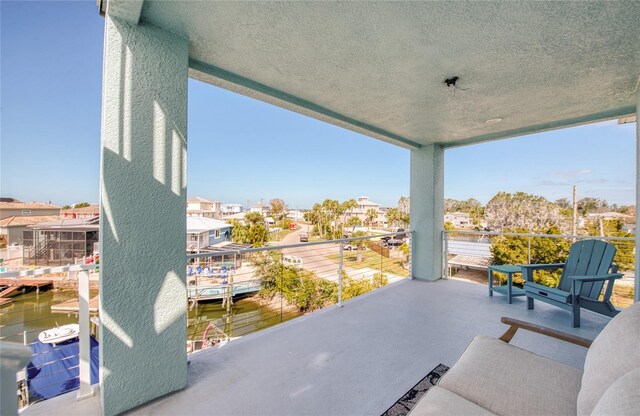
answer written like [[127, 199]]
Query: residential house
[[13, 227], [238, 216], [260, 208], [201, 207], [364, 205], [204, 232], [458, 219], [295, 215], [84, 213], [60, 242], [26, 209], [230, 209], [609, 216]]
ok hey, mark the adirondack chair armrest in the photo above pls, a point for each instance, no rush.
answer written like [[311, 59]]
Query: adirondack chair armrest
[[528, 269], [599, 278], [551, 266], [577, 281], [515, 324]]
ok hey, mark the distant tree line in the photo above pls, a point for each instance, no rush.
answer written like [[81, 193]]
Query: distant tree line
[[525, 213]]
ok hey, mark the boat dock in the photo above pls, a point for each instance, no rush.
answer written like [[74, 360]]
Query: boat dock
[[221, 291], [11, 286], [73, 306]]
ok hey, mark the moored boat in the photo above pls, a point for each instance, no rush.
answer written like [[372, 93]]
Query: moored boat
[[59, 334]]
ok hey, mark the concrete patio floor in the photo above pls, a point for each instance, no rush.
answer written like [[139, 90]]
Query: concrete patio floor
[[355, 360]]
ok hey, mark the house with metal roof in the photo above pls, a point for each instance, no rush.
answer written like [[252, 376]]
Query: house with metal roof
[[60, 242], [204, 232], [202, 207]]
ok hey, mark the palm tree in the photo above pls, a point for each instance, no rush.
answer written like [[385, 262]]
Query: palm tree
[[331, 207], [360, 244], [371, 215], [393, 215], [353, 222], [348, 207], [317, 217]]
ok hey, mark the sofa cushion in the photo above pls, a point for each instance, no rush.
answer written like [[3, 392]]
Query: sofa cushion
[[439, 401], [507, 380], [613, 353], [622, 397]]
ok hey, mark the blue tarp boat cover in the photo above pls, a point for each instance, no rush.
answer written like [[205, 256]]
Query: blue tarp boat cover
[[53, 370]]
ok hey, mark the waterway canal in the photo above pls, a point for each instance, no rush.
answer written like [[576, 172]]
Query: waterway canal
[[31, 313]]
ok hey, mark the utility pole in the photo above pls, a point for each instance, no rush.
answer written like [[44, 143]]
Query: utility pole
[[575, 212]]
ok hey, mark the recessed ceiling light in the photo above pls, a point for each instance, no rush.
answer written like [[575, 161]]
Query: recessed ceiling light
[[493, 120]]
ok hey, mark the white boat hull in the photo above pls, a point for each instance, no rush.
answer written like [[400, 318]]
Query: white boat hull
[[59, 334]]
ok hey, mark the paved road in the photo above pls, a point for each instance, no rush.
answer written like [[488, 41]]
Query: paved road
[[315, 259]]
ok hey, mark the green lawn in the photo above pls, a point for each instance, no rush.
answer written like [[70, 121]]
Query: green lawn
[[280, 235], [372, 260]]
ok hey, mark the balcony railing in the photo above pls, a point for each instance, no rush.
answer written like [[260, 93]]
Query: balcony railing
[[477, 249], [236, 292], [58, 367], [231, 294]]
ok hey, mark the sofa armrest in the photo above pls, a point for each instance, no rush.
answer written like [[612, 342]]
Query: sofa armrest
[[516, 324]]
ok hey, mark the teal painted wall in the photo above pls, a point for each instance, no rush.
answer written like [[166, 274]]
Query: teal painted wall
[[142, 215]]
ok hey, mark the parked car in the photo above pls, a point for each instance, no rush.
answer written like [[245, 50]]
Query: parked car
[[394, 242], [304, 237], [292, 261], [349, 247]]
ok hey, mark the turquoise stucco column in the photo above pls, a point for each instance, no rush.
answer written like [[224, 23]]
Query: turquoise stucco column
[[636, 296], [142, 215], [427, 211]]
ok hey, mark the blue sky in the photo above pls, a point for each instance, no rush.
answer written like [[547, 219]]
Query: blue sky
[[241, 150]]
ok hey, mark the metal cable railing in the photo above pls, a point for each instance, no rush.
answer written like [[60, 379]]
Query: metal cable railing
[[464, 249], [231, 294], [54, 367], [242, 291]]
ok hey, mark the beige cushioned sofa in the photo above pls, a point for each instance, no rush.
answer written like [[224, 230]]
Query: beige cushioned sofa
[[494, 377]]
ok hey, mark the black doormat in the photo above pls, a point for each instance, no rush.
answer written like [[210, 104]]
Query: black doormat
[[404, 405]]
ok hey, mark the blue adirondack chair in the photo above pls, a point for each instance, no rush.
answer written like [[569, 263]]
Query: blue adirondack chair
[[589, 265]]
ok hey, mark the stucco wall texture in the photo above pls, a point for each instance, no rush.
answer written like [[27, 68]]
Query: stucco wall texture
[[637, 276], [427, 211], [142, 228]]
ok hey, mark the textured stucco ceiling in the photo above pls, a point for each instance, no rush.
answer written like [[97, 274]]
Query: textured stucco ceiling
[[378, 67]]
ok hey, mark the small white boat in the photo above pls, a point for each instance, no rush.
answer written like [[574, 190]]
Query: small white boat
[[59, 334]]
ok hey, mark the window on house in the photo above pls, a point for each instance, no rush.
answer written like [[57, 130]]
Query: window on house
[[217, 233]]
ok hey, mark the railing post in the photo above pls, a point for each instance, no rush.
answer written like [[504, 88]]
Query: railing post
[[411, 255], [13, 357], [340, 276], [445, 254], [86, 390], [529, 250], [281, 286]]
